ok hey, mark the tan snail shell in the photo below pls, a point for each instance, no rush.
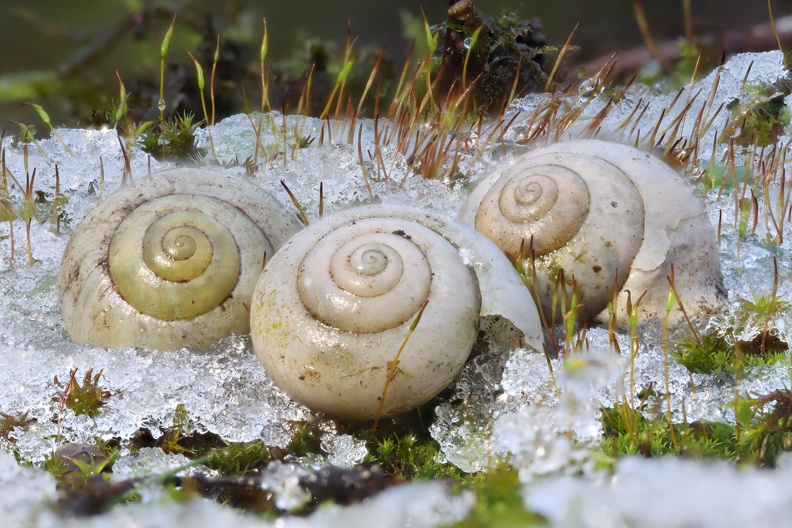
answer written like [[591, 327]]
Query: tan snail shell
[[602, 210], [333, 307], [170, 260]]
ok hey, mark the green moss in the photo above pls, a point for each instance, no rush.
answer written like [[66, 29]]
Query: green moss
[[694, 59], [172, 139], [8, 422], [193, 445], [76, 466], [404, 453], [762, 307], [228, 458], [723, 352], [55, 466], [305, 440], [764, 430], [174, 442], [409, 456], [499, 502], [87, 398], [238, 458], [722, 177], [629, 432], [713, 353], [760, 114], [761, 433]]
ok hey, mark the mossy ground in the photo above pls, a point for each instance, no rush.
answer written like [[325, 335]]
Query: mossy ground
[[402, 449]]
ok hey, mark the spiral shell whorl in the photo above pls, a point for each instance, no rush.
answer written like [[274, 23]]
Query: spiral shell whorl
[[641, 215], [185, 263], [170, 260], [335, 305], [468, 282], [375, 280], [531, 195], [177, 251], [544, 204]]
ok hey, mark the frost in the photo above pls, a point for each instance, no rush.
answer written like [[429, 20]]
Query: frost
[[741, 70], [344, 450], [546, 438], [146, 462], [534, 439], [419, 504], [284, 481], [666, 492], [516, 408], [24, 491], [513, 404], [224, 390], [336, 166]]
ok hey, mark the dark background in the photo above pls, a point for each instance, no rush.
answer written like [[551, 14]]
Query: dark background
[[47, 35]]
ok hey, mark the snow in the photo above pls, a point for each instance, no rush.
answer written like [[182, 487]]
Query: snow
[[507, 404]]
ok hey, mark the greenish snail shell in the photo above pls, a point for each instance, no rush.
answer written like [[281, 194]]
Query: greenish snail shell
[[170, 261], [607, 214], [336, 303]]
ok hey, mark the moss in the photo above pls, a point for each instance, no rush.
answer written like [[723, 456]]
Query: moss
[[305, 439], [694, 59], [404, 453], [55, 466], [408, 456], [722, 177], [723, 353], [173, 139], [87, 398], [760, 114], [192, 444], [9, 422], [761, 433], [76, 466], [717, 355], [629, 432], [239, 458], [762, 307], [763, 427], [711, 354], [499, 501]]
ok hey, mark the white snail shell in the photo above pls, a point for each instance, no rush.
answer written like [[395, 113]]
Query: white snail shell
[[170, 261], [333, 307], [601, 210]]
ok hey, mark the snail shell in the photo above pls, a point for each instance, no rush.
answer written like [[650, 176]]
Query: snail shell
[[601, 210], [333, 307], [170, 261]]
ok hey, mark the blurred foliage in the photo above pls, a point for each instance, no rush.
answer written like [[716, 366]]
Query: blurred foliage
[[79, 88]]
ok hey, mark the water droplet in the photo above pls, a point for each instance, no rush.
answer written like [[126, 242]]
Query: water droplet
[[467, 43], [588, 89], [471, 141], [161, 105]]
